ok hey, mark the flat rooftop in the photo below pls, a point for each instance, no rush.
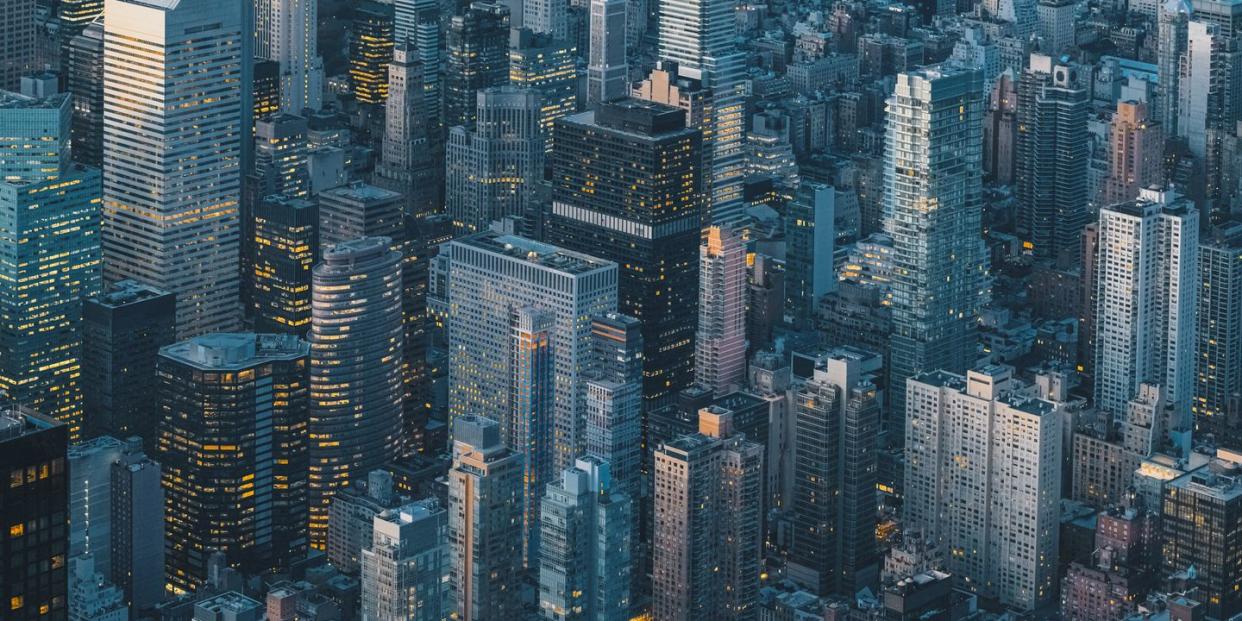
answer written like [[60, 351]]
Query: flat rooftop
[[539, 253]]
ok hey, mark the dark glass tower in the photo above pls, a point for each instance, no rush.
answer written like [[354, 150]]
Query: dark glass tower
[[478, 57], [627, 188], [34, 507], [286, 242], [371, 41]]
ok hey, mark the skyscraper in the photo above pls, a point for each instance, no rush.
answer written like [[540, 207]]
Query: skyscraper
[[180, 132], [492, 170], [18, 32], [49, 257], [720, 343], [699, 37], [1051, 175], [585, 564], [614, 399], [549, 67], [607, 71], [291, 39], [419, 24], [1218, 337], [355, 369], [90, 499], [1136, 144], [547, 17], [626, 188], [983, 476], [707, 538], [485, 521], [405, 570], [932, 207], [836, 422], [359, 210], [83, 64], [1174, 15], [234, 481], [123, 330], [407, 164], [281, 154], [1209, 69], [478, 57], [137, 528], [286, 243], [1189, 541], [1145, 302], [810, 237], [507, 294], [34, 506], [370, 50]]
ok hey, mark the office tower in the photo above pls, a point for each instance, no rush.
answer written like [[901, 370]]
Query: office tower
[[485, 521], [351, 518], [1174, 16], [520, 342], [34, 506], [720, 342], [1218, 337], [90, 500], [405, 570], [1000, 131], [74, 16], [932, 207], [810, 237], [547, 17], [549, 67], [1190, 541], [371, 42], [1210, 71], [708, 537], [626, 188], [1145, 301], [1051, 175], [290, 38], [265, 78], [179, 229], [85, 77], [19, 35], [359, 210], [418, 23], [478, 57], [137, 516], [607, 71], [492, 170], [836, 421], [234, 481], [123, 330], [614, 382], [355, 369], [286, 242], [49, 257], [699, 36], [982, 479], [406, 161], [280, 155], [585, 565], [1136, 147]]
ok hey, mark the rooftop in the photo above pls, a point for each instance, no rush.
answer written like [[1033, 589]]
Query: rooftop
[[235, 350], [126, 292], [539, 253]]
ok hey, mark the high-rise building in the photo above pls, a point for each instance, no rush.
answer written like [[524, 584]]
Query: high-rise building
[[281, 154], [584, 562], [85, 76], [614, 399], [371, 42], [1051, 175], [1174, 15], [485, 521], [810, 237], [419, 24], [549, 67], [607, 71], [700, 37], [49, 257], [932, 203], [1209, 72], [137, 527], [234, 481], [1145, 301], [34, 507], [520, 342], [180, 133], [477, 41], [291, 39], [720, 342], [1135, 150], [265, 78], [1000, 131], [359, 210], [1218, 337], [836, 421], [123, 330], [90, 500], [286, 243], [405, 570], [356, 386], [406, 161], [1191, 541], [707, 528], [626, 188], [492, 170], [547, 17], [19, 34], [982, 479]]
